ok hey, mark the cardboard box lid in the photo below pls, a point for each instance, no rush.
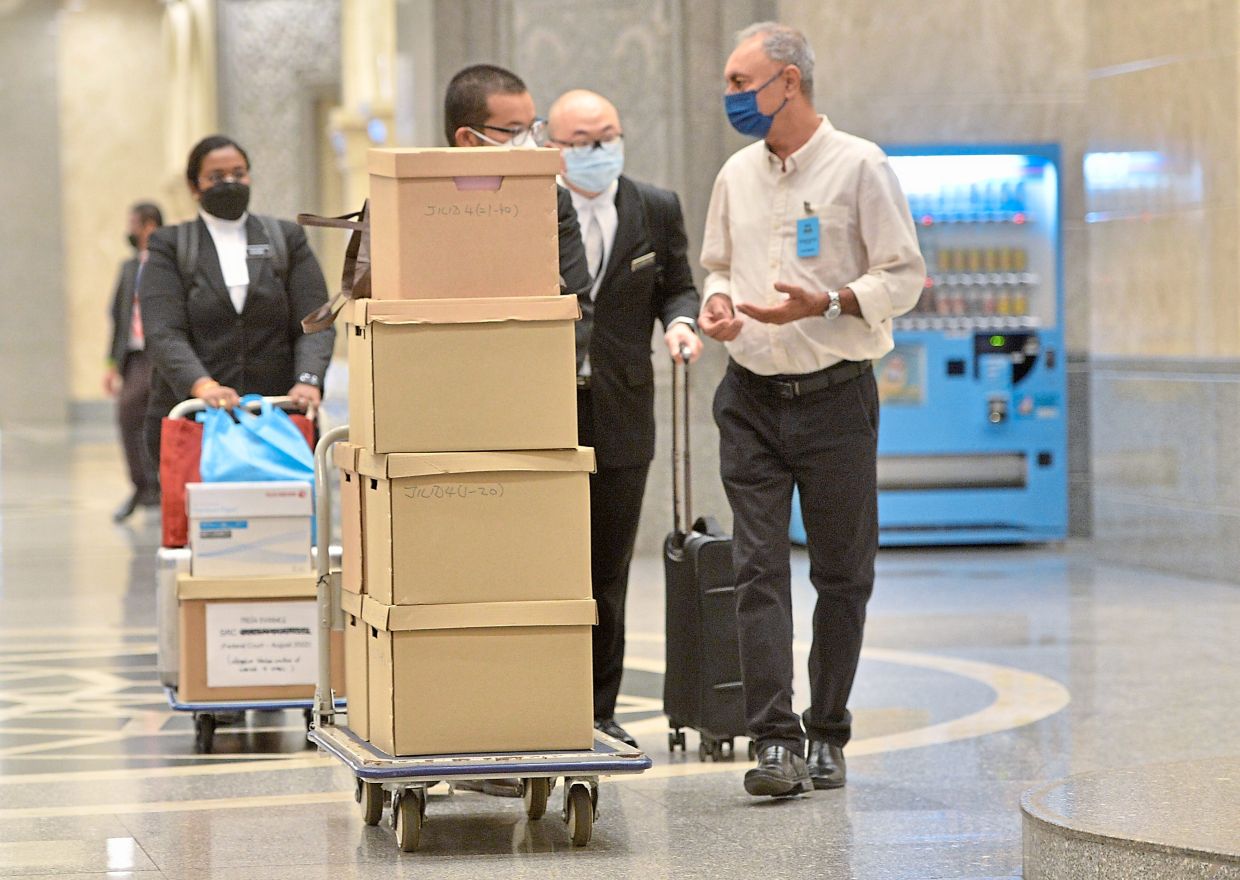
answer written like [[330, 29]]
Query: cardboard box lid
[[351, 603], [476, 615], [294, 586], [480, 310], [345, 456], [462, 162], [255, 499], [393, 465]]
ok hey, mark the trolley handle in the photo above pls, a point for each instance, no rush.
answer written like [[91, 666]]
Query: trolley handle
[[324, 699], [681, 473], [187, 408]]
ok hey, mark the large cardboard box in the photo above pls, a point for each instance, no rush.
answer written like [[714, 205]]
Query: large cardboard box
[[251, 639], [453, 375], [456, 527], [490, 677], [463, 222], [356, 664], [249, 529]]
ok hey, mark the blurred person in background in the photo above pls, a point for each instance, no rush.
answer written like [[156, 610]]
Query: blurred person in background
[[128, 374]]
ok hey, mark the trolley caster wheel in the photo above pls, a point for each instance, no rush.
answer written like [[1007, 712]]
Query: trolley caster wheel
[[308, 714], [204, 733], [580, 816], [536, 793], [370, 796], [753, 750], [407, 818]]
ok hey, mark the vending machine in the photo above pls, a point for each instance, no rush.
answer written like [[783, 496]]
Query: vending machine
[[973, 432]]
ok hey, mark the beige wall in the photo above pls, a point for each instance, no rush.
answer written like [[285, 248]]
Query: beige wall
[[110, 61], [1164, 258]]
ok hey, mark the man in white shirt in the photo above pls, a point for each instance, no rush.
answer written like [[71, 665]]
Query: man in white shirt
[[811, 252], [635, 245]]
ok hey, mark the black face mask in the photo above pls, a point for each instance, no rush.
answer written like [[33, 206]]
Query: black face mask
[[226, 200], [133, 241]]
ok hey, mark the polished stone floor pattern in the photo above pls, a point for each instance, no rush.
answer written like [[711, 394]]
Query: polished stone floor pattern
[[986, 673]]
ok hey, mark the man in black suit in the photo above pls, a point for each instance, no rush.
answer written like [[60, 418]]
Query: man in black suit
[[128, 374], [634, 238], [488, 106]]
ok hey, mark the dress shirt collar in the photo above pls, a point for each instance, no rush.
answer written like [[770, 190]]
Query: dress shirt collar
[[808, 150], [588, 204], [219, 224]]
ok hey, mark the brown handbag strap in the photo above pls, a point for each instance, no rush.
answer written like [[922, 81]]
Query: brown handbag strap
[[342, 221], [355, 277]]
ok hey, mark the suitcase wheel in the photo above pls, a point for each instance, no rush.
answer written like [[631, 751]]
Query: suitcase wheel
[[676, 738], [716, 749]]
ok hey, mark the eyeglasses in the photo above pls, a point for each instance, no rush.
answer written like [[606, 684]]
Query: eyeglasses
[[582, 146], [535, 133], [217, 177]]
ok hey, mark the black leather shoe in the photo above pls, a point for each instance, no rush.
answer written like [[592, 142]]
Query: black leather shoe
[[826, 765], [494, 787], [126, 509], [614, 730], [781, 772]]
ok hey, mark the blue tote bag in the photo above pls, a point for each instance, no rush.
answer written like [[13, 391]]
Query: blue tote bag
[[239, 446]]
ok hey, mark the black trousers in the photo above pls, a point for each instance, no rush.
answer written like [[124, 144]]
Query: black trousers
[[826, 444], [615, 507], [131, 418]]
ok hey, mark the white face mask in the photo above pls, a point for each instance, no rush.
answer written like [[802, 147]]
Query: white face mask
[[527, 142]]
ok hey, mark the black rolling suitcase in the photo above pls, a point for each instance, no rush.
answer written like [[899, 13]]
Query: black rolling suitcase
[[702, 679]]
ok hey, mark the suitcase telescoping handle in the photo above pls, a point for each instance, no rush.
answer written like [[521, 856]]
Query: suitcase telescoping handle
[[681, 490]]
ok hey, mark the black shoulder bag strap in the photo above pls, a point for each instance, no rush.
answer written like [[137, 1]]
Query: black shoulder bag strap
[[279, 246]]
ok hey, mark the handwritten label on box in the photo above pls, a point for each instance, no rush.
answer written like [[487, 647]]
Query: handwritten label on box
[[261, 644], [454, 491]]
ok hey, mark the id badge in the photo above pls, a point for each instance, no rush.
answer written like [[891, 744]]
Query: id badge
[[809, 237]]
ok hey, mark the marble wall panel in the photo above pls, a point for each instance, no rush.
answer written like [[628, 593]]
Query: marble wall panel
[[32, 237], [1166, 494], [279, 62], [109, 150], [1157, 32]]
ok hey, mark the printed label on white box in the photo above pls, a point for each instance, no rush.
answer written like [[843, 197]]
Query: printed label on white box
[[267, 644]]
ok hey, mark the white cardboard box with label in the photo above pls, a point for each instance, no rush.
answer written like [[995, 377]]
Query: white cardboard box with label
[[247, 529]]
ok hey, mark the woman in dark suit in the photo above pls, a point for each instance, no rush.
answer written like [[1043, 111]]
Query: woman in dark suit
[[222, 298]]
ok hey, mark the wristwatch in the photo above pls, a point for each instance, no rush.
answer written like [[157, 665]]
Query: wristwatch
[[309, 379], [833, 310]]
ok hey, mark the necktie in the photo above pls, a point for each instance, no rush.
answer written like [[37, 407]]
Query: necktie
[[594, 246]]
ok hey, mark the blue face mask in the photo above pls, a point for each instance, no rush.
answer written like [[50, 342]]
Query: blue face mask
[[594, 169], [743, 112]]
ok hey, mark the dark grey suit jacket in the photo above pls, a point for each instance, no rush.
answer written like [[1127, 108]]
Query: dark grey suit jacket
[[122, 312], [192, 330], [616, 328]]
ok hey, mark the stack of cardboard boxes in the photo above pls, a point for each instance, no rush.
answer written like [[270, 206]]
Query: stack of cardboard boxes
[[246, 617], [465, 499]]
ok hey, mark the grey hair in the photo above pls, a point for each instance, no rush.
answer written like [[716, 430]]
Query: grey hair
[[787, 45]]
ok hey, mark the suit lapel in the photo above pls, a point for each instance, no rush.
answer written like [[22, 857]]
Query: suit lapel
[[258, 266], [629, 232]]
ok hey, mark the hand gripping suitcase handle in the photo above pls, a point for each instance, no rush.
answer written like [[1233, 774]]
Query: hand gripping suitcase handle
[[682, 492]]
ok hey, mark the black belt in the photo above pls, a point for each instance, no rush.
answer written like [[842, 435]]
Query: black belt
[[791, 387]]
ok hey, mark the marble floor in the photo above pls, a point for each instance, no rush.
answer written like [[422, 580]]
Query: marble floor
[[985, 673]]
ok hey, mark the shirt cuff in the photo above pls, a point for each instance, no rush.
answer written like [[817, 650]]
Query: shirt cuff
[[683, 320], [873, 300]]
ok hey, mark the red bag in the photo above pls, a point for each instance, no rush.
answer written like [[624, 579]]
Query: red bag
[[180, 449]]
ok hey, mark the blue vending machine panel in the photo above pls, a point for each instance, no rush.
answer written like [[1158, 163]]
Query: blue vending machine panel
[[973, 433]]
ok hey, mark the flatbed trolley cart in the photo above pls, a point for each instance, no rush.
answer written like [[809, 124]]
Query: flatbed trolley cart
[[384, 780], [209, 715]]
